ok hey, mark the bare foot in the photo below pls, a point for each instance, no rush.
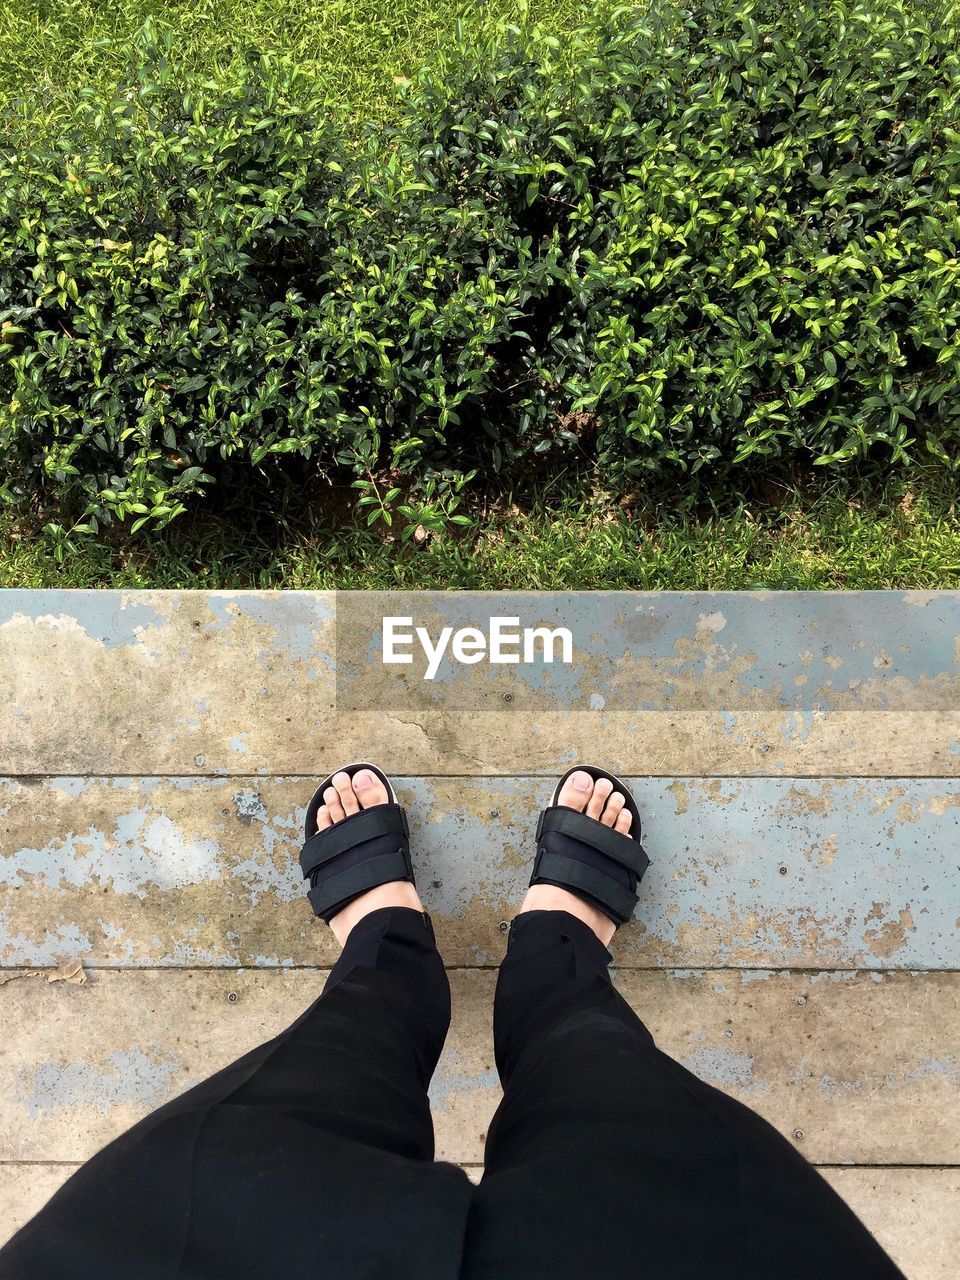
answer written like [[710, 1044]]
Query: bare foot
[[348, 796], [598, 800]]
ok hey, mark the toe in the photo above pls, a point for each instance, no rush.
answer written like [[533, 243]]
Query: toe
[[575, 792], [612, 809], [323, 818], [369, 789], [601, 792], [332, 800], [344, 788], [622, 824]]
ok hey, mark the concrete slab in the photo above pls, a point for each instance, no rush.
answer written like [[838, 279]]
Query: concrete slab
[[745, 871], [914, 1213], [865, 1066], [25, 1189], [797, 757], [661, 683]]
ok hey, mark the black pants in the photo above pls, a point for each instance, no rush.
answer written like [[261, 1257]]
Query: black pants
[[312, 1156]]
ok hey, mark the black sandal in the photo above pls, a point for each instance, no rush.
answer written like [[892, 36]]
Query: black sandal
[[572, 849], [363, 850]]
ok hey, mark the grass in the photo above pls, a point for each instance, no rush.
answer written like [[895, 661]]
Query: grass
[[906, 535]]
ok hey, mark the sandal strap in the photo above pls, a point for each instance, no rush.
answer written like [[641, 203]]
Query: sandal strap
[[573, 874], [358, 828], [627, 852], [356, 880]]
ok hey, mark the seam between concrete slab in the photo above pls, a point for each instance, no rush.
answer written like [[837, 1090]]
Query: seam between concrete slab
[[817, 1164], [477, 968], [307, 778], [476, 1164]]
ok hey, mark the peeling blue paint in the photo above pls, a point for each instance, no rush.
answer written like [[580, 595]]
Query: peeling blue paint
[[57, 943], [834, 1088], [70, 786], [128, 1076], [250, 806], [651, 650], [145, 852], [452, 1077], [111, 618], [946, 1070], [724, 1067], [842, 874], [185, 955], [118, 618], [122, 947], [719, 861], [296, 618]]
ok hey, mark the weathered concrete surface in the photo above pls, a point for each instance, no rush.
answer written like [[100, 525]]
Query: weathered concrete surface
[[915, 1213], [745, 871], [668, 683], [814, 732], [867, 1066], [25, 1189]]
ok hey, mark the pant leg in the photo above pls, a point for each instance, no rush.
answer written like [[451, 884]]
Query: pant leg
[[608, 1158], [311, 1155]]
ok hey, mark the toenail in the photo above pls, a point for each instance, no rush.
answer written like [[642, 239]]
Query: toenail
[[363, 779], [581, 782]]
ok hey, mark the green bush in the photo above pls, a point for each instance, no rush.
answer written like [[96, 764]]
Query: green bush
[[709, 238]]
